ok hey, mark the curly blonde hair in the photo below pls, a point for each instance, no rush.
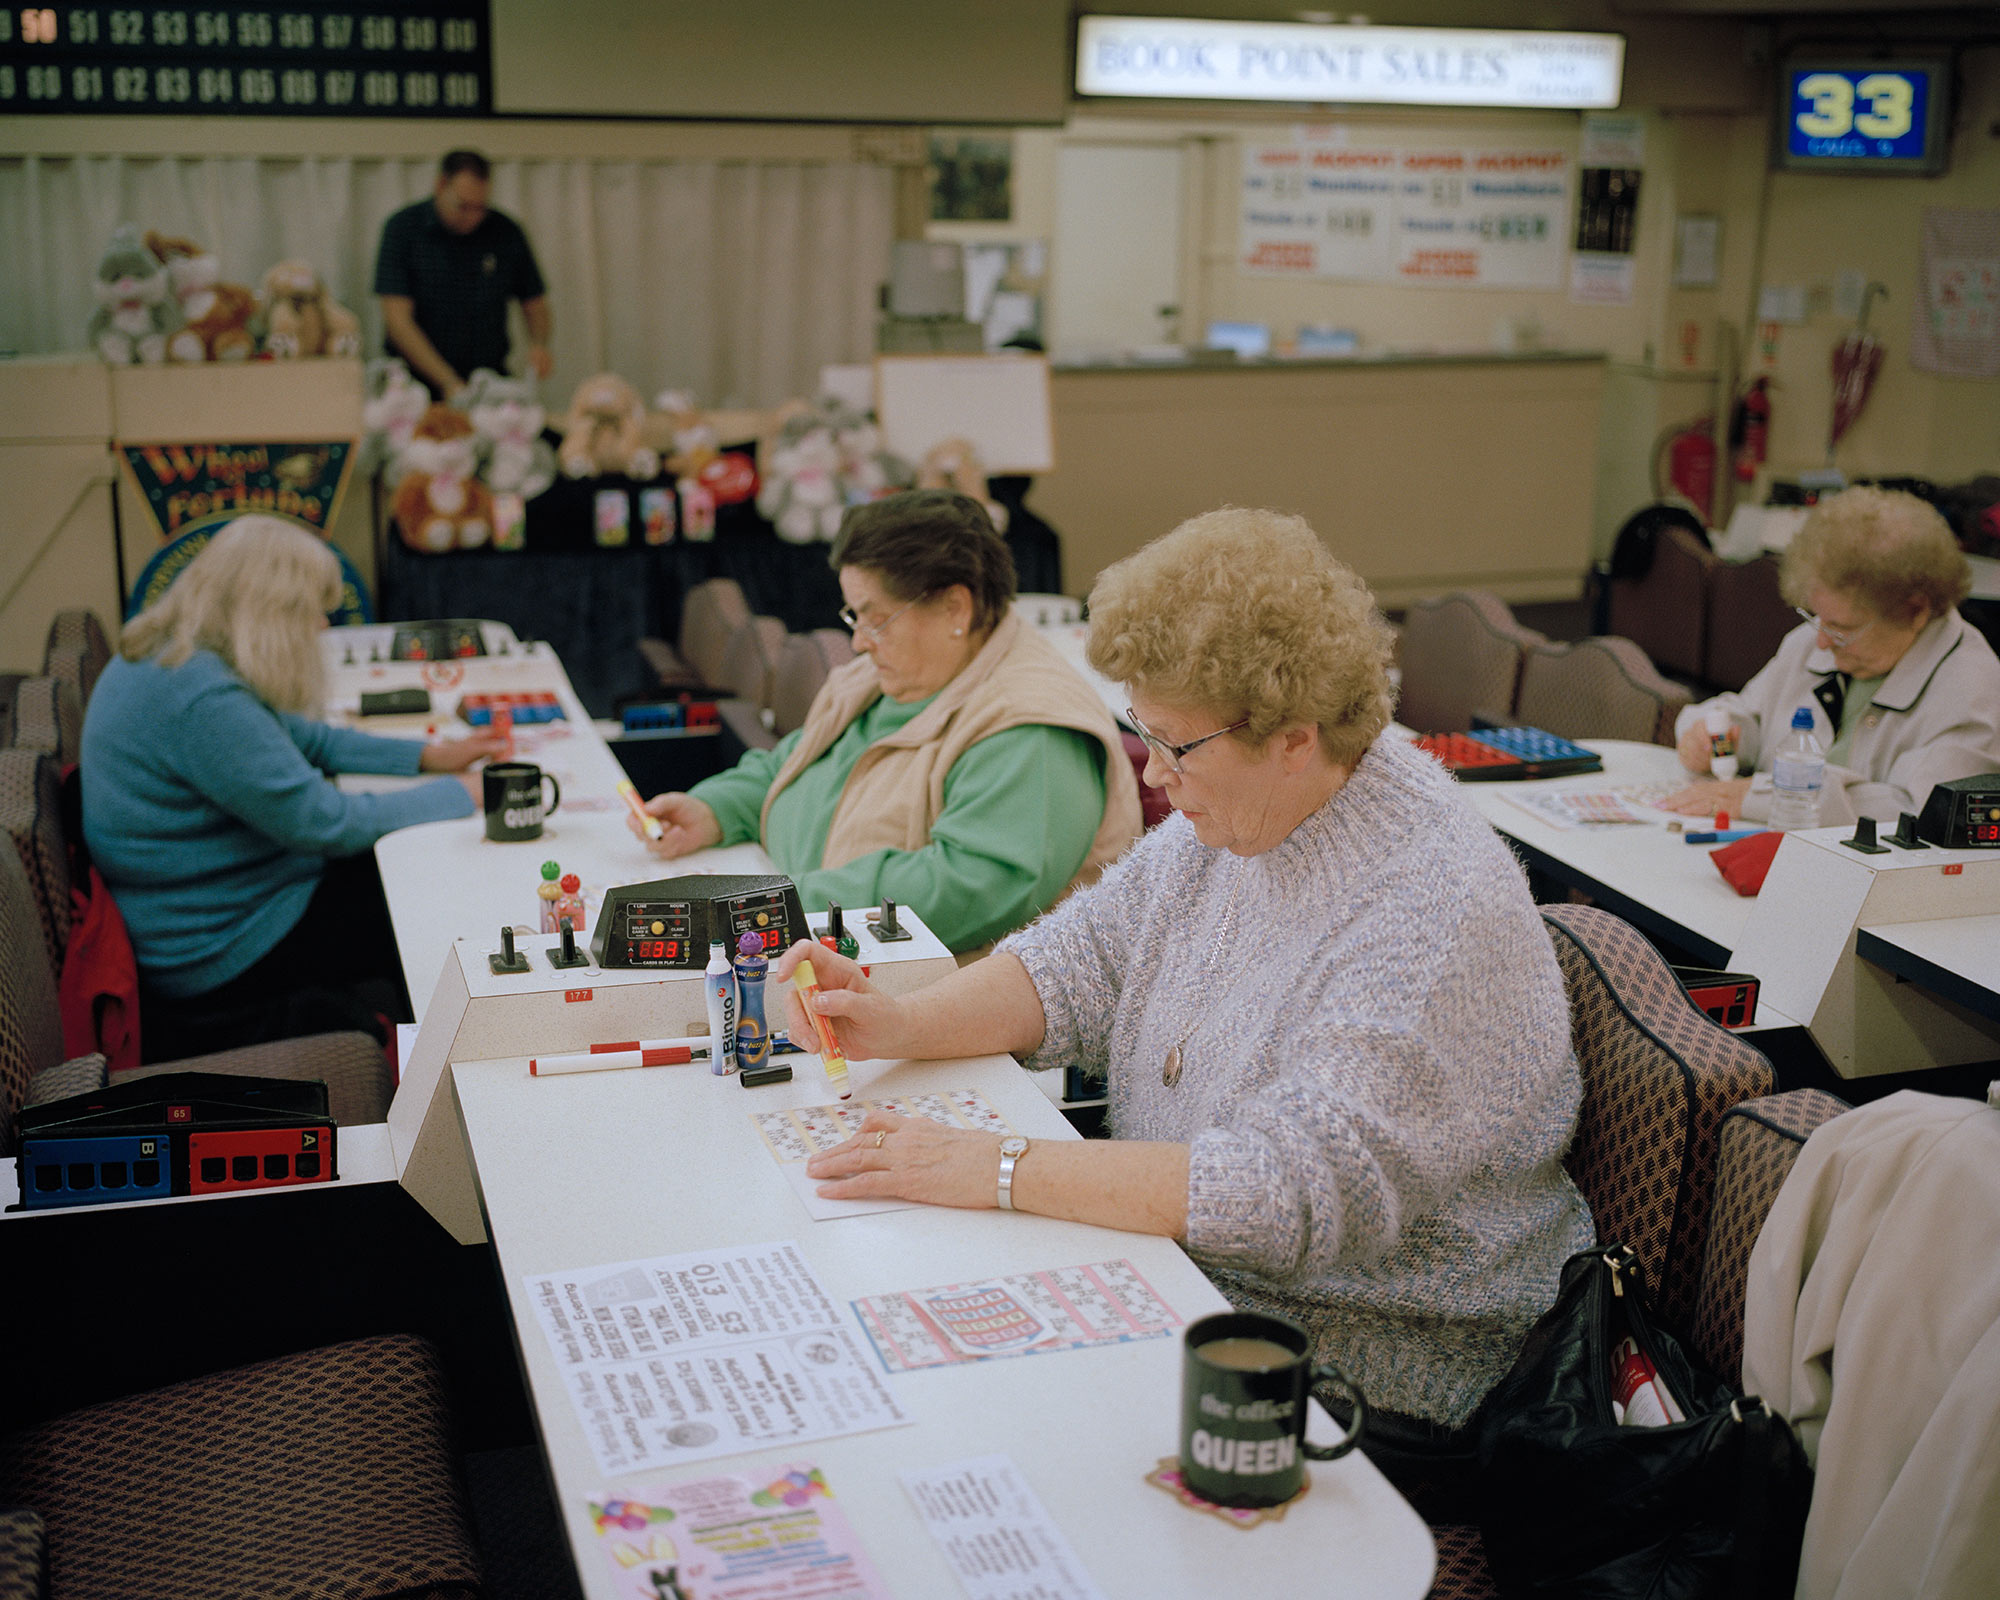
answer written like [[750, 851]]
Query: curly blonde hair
[[1247, 614], [1885, 548], [255, 596]]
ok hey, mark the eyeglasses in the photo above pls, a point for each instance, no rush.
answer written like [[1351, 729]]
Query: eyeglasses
[[1172, 753], [1839, 638], [873, 630]]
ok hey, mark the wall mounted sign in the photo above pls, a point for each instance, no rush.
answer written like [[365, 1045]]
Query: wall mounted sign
[[1179, 59], [299, 58], [1456, 216], [184, 483]]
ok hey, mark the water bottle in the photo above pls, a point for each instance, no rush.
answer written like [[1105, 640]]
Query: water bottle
[[753, 1034], [1798, 775], [719, 981]]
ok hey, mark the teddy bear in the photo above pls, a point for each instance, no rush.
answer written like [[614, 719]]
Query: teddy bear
[[514, 457], [954, 464], [217, 315], [602, 432], [440, 503], [396, 403], [136, 312], [822, 459], [301, 319]]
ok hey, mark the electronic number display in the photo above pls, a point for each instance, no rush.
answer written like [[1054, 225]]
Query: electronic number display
[[1861, 117], [671, 922], [295, 59]]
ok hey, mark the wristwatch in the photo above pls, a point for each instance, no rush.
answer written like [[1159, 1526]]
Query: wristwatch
[[1011, 1151]]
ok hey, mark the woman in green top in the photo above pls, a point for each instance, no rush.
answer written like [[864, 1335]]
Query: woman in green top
[[958, 765]]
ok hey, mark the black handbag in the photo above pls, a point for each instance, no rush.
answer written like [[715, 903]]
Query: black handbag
[[1574, 1504]]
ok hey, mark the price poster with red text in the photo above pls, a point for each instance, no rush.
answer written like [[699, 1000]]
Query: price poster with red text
[[1461, 216], [679, 1358]]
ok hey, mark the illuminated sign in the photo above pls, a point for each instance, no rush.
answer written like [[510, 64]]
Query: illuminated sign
[[1857, 117], [1170, 58]]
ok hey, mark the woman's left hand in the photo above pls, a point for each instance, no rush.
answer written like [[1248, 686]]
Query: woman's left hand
[[455, 755], [1705, 798], [911, 1158]]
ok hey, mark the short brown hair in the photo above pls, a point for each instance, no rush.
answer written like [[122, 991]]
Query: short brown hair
[[924, 540], [457, 161], [1247, 614], [1887, 549]]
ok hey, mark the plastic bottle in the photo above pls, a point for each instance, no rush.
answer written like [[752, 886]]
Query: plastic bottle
[[1797, 775], [753, 1034], [719, 989], [569, 905], [1721, 743], [548, 891]]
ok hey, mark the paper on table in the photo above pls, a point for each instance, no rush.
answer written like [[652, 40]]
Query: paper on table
[[1598, 808], [996, 1533], [1027, 1313], [795, 1135], [735, 1538], [681, 1358]]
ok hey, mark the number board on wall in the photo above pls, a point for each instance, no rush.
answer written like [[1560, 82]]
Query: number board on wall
[[308, 59]]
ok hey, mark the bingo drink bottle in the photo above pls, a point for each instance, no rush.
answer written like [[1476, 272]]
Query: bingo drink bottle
[[753, 1034]]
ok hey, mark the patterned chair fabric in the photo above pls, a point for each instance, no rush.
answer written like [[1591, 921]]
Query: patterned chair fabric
[[10, 682], [804, 660], [1665, 612], [1601, 688], [78, 1075], [359, 1080], [31, 813], [48, 716], [24, 1555], [1747, 617], [30, 1026], [1460, 653], [1759, 1142], [1658, 1076], [77, 651], [713, 612], [323, 1476]]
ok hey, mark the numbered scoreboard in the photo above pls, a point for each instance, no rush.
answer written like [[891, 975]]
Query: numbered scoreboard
[[299, 59], [1887, 116]]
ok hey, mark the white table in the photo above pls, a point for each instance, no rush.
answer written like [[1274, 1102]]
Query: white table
[[1955, 957], [1651, 877], [578, 1171]]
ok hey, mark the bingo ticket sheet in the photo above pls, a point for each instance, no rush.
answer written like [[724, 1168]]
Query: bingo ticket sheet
[[803, 1131]]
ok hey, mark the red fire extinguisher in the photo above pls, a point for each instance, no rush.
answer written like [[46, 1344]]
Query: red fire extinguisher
[[1750, 429]]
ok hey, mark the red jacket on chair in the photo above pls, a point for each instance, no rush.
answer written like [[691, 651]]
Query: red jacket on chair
[[98, 994]]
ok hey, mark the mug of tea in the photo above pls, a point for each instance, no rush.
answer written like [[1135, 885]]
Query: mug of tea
[[1245, 1376], [514, 809]]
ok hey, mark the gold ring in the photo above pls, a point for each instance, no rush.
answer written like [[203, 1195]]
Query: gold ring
[[880, 1137]]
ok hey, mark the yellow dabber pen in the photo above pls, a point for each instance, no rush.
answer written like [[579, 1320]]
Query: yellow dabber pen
[[806, 981], [638, 809]]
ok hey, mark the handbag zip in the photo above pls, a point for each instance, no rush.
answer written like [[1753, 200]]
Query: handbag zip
[[1618, 1262]]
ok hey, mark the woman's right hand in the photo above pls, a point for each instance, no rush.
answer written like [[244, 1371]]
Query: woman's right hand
[[688, 825], [1694, 747], [869, 1025]]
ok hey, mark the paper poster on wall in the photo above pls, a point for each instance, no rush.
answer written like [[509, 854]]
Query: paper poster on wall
[[1612, 141], [1956, 329], [1383, 214], [1600, 280]]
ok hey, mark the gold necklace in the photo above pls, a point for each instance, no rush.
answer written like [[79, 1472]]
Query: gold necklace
[[1170, 1070]]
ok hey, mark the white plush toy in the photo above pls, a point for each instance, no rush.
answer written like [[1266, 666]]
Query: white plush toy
[[136, 312], [822, 460], [514, 457], [396, 403]]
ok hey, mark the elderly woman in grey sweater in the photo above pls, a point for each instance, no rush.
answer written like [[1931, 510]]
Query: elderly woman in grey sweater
[[1334, 1034]]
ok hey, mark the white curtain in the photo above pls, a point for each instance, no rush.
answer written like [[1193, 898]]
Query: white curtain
[[736, 281]]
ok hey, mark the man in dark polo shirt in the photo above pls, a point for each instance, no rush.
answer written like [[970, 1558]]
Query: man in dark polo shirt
[[446, 270]]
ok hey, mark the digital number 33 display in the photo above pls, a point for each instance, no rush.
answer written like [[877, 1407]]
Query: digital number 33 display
[[1877, 117]]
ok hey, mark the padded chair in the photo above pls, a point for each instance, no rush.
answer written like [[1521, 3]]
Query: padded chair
[[31, 813], [1048, 610], [1667, 1094], [77, 651], [328, 1475], [710, 616], [1665, 611], [805, 661], [1460, 653], [1600, 688], [1747, 617], [48, 715]]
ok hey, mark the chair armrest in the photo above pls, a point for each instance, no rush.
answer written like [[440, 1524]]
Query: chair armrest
[[78, 1075]]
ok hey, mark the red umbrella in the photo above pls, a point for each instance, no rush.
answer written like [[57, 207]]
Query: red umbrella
[[1856, 360]]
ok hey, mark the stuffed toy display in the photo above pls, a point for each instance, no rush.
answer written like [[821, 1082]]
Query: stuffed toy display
[[440, 503], [396, 403], [823, 459], [954, 464], [136, 312], [216, 315], [603, 431], [508, 420], [300, 318]]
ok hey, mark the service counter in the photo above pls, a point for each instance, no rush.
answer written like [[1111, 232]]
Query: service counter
[[1423, 472]]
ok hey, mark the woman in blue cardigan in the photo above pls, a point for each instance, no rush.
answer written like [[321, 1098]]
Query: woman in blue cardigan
[[242, 872]]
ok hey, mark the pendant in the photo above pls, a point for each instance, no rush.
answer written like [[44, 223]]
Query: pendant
[[1170, 1074]]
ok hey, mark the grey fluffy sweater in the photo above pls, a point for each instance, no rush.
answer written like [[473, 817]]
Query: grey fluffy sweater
[[1379, 1085]]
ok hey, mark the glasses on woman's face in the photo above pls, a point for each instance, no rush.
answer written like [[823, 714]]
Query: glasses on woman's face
[[863, 628], [1173, 754], [1839, 638]]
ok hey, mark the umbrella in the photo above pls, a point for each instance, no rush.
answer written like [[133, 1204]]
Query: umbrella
[[1856, 360]]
